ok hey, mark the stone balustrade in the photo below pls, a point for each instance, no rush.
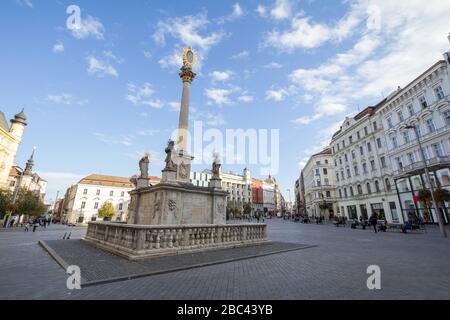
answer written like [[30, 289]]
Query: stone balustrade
[[140, 241]]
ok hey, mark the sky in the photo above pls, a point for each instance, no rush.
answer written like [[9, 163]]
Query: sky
[[100, 96]]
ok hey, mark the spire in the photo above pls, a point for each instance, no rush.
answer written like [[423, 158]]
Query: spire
[[20, 118], [29, 167]]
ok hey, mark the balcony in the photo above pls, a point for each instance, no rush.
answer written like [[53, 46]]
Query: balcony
[[418, 167]]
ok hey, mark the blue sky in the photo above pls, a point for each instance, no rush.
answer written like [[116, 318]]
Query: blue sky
[[98, 98]]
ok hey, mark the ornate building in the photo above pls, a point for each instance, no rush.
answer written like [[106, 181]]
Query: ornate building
[[319, 185], [10, 138]]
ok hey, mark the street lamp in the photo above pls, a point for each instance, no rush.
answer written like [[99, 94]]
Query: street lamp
[[427, 175]]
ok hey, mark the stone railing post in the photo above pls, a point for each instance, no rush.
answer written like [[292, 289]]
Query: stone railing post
[[140, 239]]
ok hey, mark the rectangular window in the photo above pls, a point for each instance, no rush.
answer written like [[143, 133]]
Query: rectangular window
[[317, 172], [337, 177], [447, 117], [389, 122], [348, 173], [98, 192], [379, 145], [350, 139], [438, 150], [85, 191], [400, 116], [372, 165], [405, 136], [393, 208], [122, 193], [83, 204], [346, 158], [364, 165], [375, 126], [355, 168], [430, 125], [411, 110], [366, 132], [411, 158], [383, 162], [96, 205], [358, 135], [353, 155], [361, 150], [423, 102], [394, 142], [369, 147], [120, 206], [325, 171], [328, 194], [111, 193], [439, 93]]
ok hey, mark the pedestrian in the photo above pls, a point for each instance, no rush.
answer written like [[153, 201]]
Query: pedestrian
[[373, 221], [35, 225], [26, 226], [11, 224]]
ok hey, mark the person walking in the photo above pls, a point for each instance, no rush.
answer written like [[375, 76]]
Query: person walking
[[26, 226], [373, 221], [35, 225]]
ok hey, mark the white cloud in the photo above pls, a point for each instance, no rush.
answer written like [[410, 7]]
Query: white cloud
[[100, 68], [147, 54], [110, 55], [142, 95], [245, 98], [174, 106], [214, 119], [221, 75], [281, 10], [219, 96], [234, 15], [65, 98], [388, 52], [148, 132], [273, 65], [187, 30], [25, 3], [124, 140], [276, 95], [261, 10], [89, 27], [58, 47], [241, 55]]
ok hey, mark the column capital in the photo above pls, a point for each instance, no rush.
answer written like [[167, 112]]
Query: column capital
[[186, 74]]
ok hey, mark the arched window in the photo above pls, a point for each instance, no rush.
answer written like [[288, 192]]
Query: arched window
[[340, 193], [377, 186], [360, 191], [345, 192], [388, 184], [369, 190], [351, 192]]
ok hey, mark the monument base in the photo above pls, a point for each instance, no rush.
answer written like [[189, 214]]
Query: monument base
[[142, 241]]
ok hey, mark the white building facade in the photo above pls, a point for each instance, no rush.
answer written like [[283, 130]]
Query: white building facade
[[424, 104], [362, 168], [83, 199], [320, 185], [238, 186]]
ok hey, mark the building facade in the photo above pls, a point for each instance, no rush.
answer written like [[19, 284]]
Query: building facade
[[362, 168], [239, 186], [319, 185], [422, 107], [257, 195], [269, 196], [10, 138], [83, 199]]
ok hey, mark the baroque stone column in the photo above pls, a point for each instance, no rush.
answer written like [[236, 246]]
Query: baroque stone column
[[186, 76]]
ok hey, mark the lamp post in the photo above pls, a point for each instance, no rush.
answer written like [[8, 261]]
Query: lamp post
[[427, 176]]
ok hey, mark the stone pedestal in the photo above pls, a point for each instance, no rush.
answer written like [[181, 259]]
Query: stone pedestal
[[177, 204], [142, 183]]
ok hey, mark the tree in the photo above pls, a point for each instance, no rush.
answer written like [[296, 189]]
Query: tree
[[323, 206], [29, 203], [5, 201], [247, 208], [106, 211]]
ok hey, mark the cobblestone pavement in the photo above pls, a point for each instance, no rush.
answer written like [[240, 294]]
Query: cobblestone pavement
[[413, 266]]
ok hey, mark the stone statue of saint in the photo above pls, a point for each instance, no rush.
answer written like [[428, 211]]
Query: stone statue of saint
[[216, 165], [170, 165], [143, 166]]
